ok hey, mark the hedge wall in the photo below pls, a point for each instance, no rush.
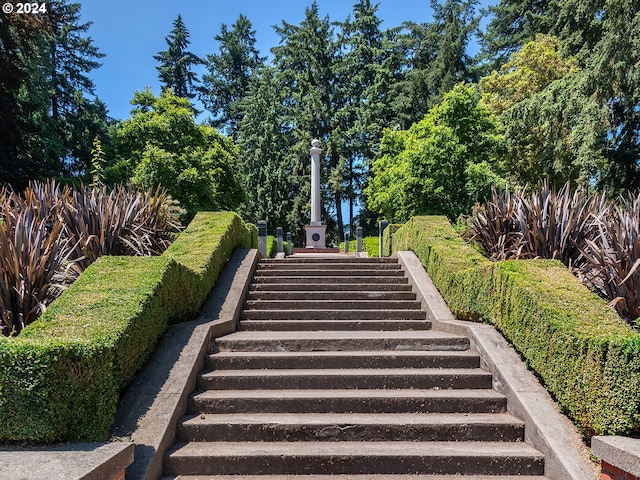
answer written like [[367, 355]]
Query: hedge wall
[[587, 357], [60, 379]]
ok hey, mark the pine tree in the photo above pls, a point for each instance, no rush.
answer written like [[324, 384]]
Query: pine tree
[[227, 82], [176, 63]]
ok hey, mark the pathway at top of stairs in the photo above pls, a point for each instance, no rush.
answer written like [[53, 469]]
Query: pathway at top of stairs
[[336, 373]]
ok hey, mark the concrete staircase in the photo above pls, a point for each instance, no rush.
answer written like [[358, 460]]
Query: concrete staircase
[[336, 373]]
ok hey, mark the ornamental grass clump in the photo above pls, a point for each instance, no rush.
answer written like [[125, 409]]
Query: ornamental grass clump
[[613, 258], [597, 239], [51, 233]]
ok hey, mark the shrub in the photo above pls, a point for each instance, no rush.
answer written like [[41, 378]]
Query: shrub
[[598, 240], [369, 245], [51, 233], [587, 357], [60, 379]]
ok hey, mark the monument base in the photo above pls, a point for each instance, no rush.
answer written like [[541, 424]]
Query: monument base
[[316, 236]]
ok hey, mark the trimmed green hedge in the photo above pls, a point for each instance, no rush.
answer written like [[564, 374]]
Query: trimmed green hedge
[[369, 245], [60, 379], [587, 357]]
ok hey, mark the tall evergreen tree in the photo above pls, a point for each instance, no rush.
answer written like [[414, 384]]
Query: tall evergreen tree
[[364, 79], [48, 116], [227, 82], [176, 63], [267, 173], [306, 60], [71, 57]]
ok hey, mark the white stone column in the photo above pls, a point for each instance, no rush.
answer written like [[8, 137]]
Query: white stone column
[[315, 182], [316, 231]]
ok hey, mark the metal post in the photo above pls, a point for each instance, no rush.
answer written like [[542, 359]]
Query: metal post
[[381, 226], [346, 242], [359, 240], [289, 244], [262, 237], [279, 237]]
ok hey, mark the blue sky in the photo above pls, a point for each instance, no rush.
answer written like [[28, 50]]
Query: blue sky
[[131, 32]]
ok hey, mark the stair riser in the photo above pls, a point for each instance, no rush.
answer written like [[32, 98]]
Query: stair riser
[[332, 280], [307, 464], [319, 314], [310, 345], [220, 362], [339, 295], [347, 405], [213, 381], [200, 432], [334, 325], [337, 303]]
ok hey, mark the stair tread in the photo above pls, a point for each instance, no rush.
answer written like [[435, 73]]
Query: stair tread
[[354, 418], [368, 353], [351, 393], [346, 372], [340, 335], [357, 477], [464, 450]]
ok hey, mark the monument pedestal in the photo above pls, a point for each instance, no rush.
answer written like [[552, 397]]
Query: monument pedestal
[[316, 236]]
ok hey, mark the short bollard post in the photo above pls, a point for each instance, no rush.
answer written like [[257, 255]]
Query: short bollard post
[[381, 226], [279, 237], [262, 237], [359, 240], [289, 244], [346, 242]]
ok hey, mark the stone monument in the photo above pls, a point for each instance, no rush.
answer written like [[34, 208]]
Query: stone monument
[[316, 231]]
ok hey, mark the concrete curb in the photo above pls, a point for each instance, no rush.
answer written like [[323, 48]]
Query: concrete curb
[[546, 429], [152, 405], [76, 461]]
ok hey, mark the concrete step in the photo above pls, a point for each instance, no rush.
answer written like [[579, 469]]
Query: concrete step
[[345, 378], [333, 314], [288, 427], [348, 401], [334, 272], [348, 325], [357, 477], [464, 458], [371, 359], [330, 260], [399, 285], [330, 279], [314, 295], [338, 303], [274, 266], [343, 341]]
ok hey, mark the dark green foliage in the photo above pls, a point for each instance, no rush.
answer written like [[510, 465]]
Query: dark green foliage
[[60, 380], [48, 117], [586, 356], [226, 84], [175, 71]]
